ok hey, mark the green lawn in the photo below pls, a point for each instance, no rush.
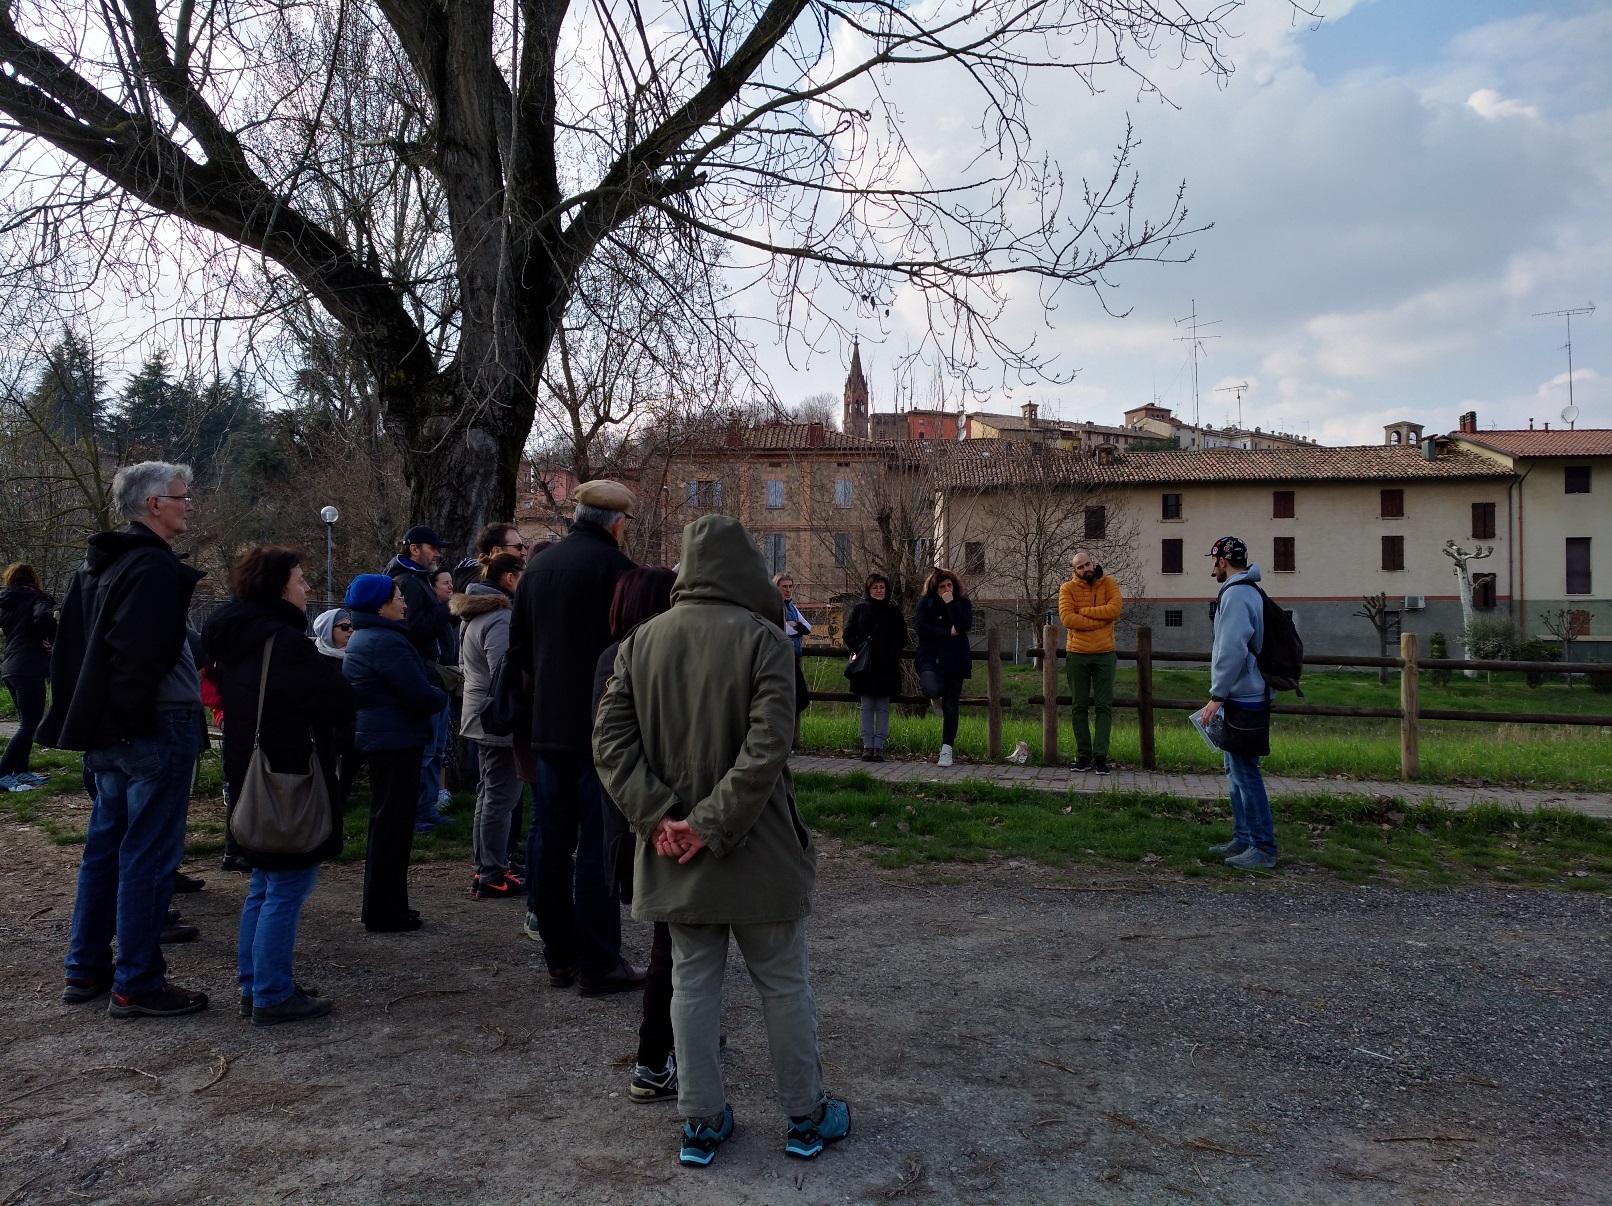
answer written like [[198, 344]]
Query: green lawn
[[1359, 839], [1308, 746]]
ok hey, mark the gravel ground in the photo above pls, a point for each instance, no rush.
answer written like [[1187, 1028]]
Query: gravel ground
[[999, 1041]]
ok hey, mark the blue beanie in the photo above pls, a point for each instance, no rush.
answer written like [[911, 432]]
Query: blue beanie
[[369, 592]]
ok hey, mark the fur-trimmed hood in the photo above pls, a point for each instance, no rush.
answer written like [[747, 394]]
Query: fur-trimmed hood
[[478, 601]]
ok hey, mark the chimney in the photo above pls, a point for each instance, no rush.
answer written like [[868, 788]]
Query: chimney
[[1530, 424], [1469, 422], [1430, 449], [1030, 410], [735, 434], [814, 435]]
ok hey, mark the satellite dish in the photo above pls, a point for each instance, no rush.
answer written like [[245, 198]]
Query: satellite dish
[[1569, 413]]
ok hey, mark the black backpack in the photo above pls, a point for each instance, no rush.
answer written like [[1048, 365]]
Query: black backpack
[[1281, 658]]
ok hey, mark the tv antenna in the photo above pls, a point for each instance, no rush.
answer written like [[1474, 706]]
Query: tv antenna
[[1239, 389], [1195, 341], [1568, 316]]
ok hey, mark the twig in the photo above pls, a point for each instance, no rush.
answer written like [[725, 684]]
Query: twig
[[224, 1062], [1476, 1080], [896, 883], [16, 1194], [1375, 1054], [1164, 937], [1132, 891], [909, 1179], [1049, 1121], [1424, 1139], [40, 912], [1338, 1169], [1052, 1063], [424, 992], [122, 1068], [1209, 1145]]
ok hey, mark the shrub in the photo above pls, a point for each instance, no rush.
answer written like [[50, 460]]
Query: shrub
[[1438, 648], [1536, 650], [1491, 637]]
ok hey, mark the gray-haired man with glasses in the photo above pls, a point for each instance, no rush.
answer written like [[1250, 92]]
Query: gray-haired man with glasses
[[125, 690]]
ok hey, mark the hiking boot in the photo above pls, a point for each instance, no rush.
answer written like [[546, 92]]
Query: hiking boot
[[828, 1123], [168, 1002], [494, 886], [246, 998], [878, 756], [625, 978], [172, 935], [562, 977], [702, 1136], [868, 755], [78, 989], [1225, 848], [1252, 859], [945, 758], [187, 883], [647, 1085], [1099, 764], [1082, 763], [298, 1007]]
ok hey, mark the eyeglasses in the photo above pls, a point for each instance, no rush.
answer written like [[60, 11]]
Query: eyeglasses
[[175, 497], [519, 548]]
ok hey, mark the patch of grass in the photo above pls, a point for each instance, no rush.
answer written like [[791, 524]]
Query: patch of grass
[[1359, 839]]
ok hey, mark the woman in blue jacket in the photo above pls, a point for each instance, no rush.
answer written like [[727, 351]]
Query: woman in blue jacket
[[396, 704], [944, 660]]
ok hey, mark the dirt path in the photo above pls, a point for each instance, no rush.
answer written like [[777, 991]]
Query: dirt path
[[1000, 1041]]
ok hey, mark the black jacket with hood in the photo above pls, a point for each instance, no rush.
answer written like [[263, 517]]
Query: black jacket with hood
[[881, 622], [121, 632], [306, 700], [429, 622], [28, 620]]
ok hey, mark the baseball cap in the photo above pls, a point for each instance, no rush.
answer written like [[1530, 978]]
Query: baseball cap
[[420, 534], [1230, 548]]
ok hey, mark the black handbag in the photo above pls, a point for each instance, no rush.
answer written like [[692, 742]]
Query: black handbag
[[860, 664], [505, 706]]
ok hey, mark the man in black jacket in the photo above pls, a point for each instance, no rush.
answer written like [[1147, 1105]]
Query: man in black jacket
[[430, 624], [560, 627], [125, 690]]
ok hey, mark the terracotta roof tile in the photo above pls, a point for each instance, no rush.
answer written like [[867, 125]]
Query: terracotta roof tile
[[1595, 441], [787, 437]]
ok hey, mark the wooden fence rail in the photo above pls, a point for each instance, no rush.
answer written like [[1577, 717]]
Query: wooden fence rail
[[1410, 713]]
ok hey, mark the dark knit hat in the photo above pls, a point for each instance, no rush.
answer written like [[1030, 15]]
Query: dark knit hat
[[369, 592]]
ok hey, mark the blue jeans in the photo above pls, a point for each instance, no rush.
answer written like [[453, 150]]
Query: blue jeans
[[1253, 824], [567, 879], [135, 842], [269, 932], [436, 753]]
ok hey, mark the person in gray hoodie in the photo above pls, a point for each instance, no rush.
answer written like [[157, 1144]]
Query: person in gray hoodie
[[1237, 688]]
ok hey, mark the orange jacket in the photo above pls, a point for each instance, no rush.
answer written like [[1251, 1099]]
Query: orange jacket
[[1088, 611]]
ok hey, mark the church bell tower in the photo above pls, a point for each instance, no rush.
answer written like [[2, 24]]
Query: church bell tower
[[855, 419]]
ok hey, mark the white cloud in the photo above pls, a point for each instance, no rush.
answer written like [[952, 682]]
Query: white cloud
[[1489, 104]]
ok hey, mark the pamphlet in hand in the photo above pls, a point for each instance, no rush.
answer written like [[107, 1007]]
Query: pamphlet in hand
[[1214, 731]]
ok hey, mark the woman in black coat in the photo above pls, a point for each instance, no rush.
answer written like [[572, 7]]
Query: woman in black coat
[[945, 660], [879, 623], [305, 699], [28, 620]]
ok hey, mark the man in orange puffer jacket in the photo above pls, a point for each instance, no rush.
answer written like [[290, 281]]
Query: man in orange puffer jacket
[[1088, 605]]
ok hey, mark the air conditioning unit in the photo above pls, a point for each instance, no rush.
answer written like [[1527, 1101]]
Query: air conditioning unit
[[1415, 602]]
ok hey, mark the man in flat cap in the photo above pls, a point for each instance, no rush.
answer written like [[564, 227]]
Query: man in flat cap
[[560, 627]]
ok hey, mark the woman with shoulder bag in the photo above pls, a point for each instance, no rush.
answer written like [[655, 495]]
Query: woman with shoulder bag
[[945, 660], [28, 622], [258, 647], [397, 705], [876, 633]]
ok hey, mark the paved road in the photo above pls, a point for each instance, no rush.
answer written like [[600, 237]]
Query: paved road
[[1199, 786]]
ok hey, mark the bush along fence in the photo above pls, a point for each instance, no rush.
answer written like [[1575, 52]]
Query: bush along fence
[[1410, 713]]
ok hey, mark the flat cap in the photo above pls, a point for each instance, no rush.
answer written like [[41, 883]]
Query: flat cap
[[606, 495]]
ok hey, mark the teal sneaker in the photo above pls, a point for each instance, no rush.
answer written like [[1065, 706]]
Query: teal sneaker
[[701, 1139], [828, 1123], [1252, 859]]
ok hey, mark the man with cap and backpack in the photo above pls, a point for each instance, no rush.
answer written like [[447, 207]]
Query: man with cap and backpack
[[430, 623], [1256, 650]]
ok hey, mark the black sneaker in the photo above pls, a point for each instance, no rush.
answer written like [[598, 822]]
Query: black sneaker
[[78, 989], [172, 935], [187, 883], [1100, 765], [1082, 763], [492, 887], [647, 1085], [169, 1002], [298, 1007], [246, 997]]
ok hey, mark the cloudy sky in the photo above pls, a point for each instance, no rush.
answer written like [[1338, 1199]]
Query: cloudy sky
[[1395, 192]]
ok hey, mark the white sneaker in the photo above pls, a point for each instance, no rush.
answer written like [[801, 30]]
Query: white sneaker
[[444, 798], [945, 758]]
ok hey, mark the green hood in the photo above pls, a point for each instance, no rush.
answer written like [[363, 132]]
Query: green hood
[[721, 564]]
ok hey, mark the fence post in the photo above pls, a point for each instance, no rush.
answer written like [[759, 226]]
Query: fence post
[[993, 695], [1144, 695], [1410, 736], [1049, 695]]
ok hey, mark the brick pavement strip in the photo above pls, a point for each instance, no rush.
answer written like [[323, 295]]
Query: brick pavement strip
[[1200, 787]]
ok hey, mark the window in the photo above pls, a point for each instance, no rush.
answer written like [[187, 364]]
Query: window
[[775, 548], [1578, 565], [842, 550], [775, 493], [1393, 552], [923, 553], [1483, 521], [1171, 556], [705, 496], [1393, 504], [973, 557], [1282, 504], [1576, 479], [842, 492], [1483, 591], [1096, 523], [1283, 557], [1172, 619], [1172, 506]]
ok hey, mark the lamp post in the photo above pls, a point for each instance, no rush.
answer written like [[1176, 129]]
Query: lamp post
[[330, 515]]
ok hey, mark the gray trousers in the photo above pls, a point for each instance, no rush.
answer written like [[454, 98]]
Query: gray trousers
[[775, 954], [875, 721], [497, 796]]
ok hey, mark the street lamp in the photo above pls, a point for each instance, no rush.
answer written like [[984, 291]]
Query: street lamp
[[330, 515]]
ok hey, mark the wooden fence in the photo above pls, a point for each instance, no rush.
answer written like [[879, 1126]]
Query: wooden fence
[[1410, 713]]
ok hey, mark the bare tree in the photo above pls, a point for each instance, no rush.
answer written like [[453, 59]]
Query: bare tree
[[1374, 610], [1463, 571], [213, 145], [822, 408], [1566, 624]]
